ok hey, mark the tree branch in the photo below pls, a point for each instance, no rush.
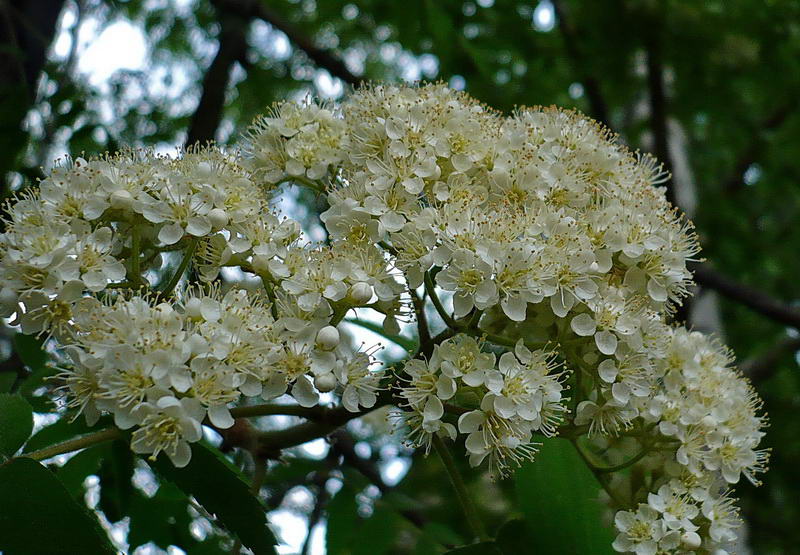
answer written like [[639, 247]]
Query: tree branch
[[345, 446], [763, 367], [597, 104], [754, 299], [658, 104], [322, 58], [232, 47], [258, 9]]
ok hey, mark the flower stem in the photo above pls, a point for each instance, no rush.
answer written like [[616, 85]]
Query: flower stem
[[470, 512], [185, 261], [136, 247], [74, 444], [431, 289], [601, 477]]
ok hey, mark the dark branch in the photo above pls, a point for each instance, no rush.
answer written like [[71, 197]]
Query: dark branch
[[232, 47], [322, 58], [762, 367], [754, 299], [249, 9], [658, 106], [344, 445], [26, 31], [597, 104]]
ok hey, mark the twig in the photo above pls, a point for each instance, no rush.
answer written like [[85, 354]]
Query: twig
[[437, 304]]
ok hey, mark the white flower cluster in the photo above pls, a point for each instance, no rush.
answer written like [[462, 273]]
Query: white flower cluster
[[543, 231], [80, 260], [546, 248], [518, 396]]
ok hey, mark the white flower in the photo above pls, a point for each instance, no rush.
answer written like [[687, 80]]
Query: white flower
[[168, 425], [639, 531]]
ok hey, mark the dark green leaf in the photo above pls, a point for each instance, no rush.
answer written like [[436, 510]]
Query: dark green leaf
[[483, 548], [16, 423], [85, 463], [162, 519], [116, 487], [38, 516], [7, 380], [30, 350], [513, 537], [343, 520], [559, 497], [223, 494]]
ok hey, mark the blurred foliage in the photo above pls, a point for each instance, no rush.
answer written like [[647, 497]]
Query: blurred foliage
[[732, 73]]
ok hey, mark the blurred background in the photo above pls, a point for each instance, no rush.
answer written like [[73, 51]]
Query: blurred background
[[711, 88]]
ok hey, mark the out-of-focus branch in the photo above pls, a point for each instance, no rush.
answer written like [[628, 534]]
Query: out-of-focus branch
[[26, 31], [591, 85], [658, 105], [232, 47], [756, 300], [345, 446], [250, 9], [763, 367], [322, 58]]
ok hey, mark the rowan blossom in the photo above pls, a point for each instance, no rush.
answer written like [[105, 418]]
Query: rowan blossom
[[547, 249]]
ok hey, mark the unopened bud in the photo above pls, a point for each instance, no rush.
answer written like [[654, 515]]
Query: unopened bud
[[121, 199], [691, 540], [325, 382], [328, 338], [360, 293], [218, 217]]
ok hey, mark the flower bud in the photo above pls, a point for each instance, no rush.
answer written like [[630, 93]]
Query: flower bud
[[328, 338], [691, 540], [121, 199], [360, 293], [218, 217], [325, 382]]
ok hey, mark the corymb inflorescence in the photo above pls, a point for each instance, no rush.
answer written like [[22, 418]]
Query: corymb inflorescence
[[537, 256]]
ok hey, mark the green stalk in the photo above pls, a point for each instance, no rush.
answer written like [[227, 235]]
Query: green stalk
[[431, 289], [185, 261], [470, 512], [74, 444]]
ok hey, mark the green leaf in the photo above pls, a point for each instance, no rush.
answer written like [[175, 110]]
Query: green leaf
[[16, 423], [116, 486], [85, 463], [31, 350], [162, 519], [38, 516], [7, 380], [558, 495], [513, 537], [482, 548], [343, 519], [222, 493]]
